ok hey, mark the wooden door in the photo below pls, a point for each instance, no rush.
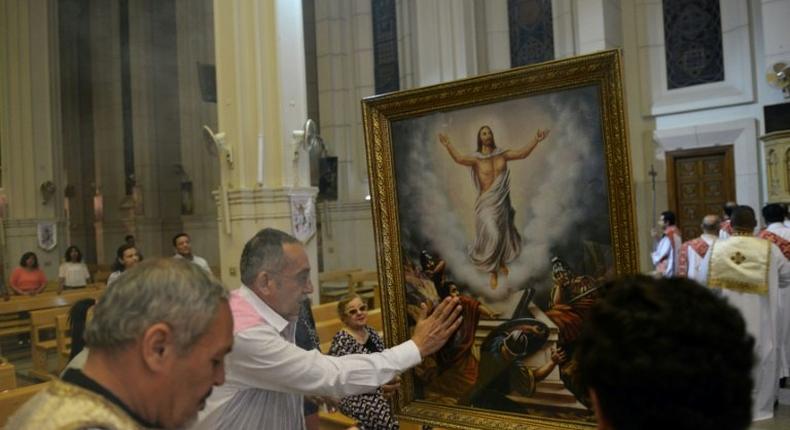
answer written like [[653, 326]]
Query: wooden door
[[699, 182]]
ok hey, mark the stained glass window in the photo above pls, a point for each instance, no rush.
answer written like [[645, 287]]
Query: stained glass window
[[692, 36], [531, 31], [385, 46]]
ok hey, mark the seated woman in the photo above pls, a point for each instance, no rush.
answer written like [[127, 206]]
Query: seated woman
[[28, 279], [125, 258], [78, 319], [372, 411], [73, 273]]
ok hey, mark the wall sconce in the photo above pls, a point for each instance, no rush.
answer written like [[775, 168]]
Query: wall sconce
[[778, 76], [307, 138], [48, 189]]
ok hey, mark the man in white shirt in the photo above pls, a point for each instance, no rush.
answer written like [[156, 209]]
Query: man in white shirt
[[267, 374], [695, 253], [183, 246], [666, 254], [747, 270]]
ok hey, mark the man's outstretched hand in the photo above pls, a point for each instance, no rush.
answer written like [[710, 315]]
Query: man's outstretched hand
[[432, 331]]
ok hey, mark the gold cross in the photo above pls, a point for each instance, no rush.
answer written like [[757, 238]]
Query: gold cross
[[738, 258]]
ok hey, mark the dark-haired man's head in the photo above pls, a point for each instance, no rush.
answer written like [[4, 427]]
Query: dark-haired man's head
[[183, 245], [743, 219], [666, 354], [667, 218], [774, 212], [728, 208], [710, 224]]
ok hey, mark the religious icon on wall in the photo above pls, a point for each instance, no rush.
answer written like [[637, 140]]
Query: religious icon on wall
[[47, 235], [303, 217], [512, 192]]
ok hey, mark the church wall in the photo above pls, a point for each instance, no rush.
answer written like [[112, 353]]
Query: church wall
[[196, 45], [30, 128], [686, 126], [77, 82], [344, 50]]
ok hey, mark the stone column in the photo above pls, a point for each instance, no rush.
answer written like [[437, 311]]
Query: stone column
[[30, 129], [598, 25], [261, 94], [439, 42]]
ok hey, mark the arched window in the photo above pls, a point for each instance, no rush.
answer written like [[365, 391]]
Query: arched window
[[692, 36], [385, 46], [531, 31]]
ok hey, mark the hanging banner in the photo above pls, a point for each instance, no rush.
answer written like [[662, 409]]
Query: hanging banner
[[303, 217], [47, 233]]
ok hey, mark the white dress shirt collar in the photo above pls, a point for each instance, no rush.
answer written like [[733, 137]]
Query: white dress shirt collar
[[270, 315]]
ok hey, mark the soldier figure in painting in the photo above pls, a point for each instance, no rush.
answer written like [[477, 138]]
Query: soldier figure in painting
[[498, 241]]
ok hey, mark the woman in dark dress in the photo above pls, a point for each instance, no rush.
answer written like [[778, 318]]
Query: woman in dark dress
[[372, 411]]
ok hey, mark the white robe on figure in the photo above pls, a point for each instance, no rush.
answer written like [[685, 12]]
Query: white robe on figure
[[497, 241], [753, 289], [783, 232], [698, 265], [666, 254]]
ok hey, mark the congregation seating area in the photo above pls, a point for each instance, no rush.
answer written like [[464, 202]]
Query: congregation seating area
[[40, 323]]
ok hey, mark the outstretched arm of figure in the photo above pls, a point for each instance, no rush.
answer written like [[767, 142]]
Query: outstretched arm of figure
[[522, 153], [463, 160], [557, 357], [488, 312]]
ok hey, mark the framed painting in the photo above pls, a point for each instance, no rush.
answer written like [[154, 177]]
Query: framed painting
[[512, 191]]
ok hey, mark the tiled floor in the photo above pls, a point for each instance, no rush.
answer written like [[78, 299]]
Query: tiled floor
[[781, 420]]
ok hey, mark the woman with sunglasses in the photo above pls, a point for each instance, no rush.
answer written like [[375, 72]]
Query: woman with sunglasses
[[372, 411]]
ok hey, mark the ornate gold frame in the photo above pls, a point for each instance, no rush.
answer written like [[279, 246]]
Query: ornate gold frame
[[603, 69]]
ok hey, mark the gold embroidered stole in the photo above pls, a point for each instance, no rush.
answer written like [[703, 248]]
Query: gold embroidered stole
[[777, 240], [740, 264], [63, 406]]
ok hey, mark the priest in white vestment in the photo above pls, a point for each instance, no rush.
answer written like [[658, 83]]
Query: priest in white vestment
[[665, 257], [695, 254], [779, 235], [746, 269]]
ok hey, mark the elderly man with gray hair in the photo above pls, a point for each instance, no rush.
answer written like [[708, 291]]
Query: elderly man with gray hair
[[267, 373], [157, 342]]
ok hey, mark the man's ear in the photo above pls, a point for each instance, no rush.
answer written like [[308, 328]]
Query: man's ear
[[603, 423], [158, 347], [264, 283]]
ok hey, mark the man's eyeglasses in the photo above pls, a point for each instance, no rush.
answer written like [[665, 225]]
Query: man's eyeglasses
[[360, 309]]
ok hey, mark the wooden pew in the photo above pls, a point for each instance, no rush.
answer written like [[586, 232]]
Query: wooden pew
[[62, 340], [16, 304], [366, 285], [332, 285], [11, 400], [7, 375], [43, 321], [324, 311]]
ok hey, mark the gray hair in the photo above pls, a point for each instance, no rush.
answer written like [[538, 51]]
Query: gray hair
[[165, 290], [264, 252]]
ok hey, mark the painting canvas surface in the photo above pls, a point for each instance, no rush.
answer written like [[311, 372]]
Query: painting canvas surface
[[524, 245]]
